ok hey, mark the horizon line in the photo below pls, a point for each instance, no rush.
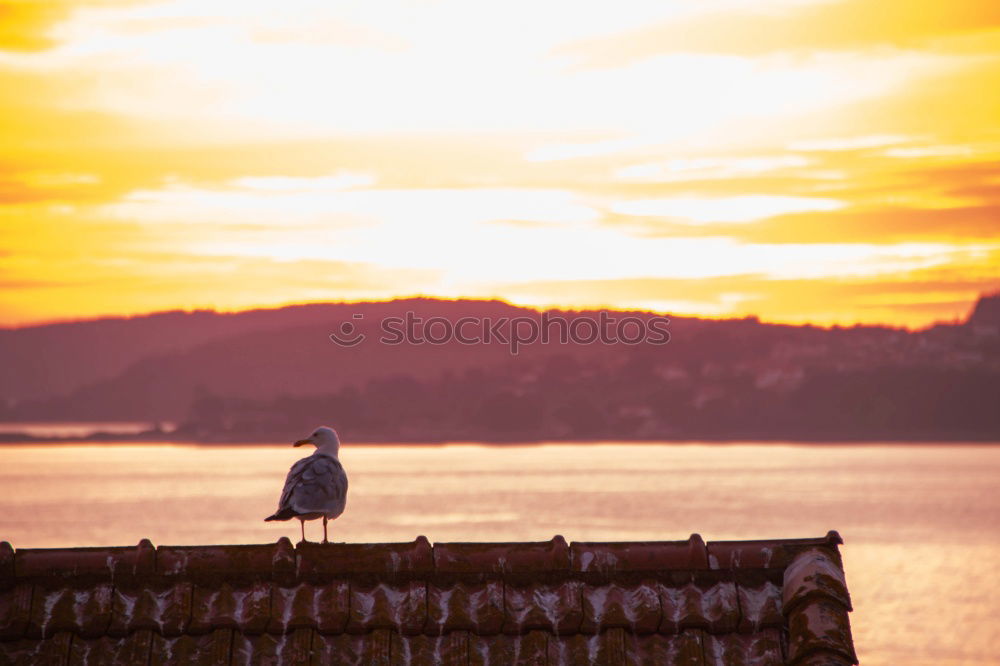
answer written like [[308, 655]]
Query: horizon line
[[503, 301]]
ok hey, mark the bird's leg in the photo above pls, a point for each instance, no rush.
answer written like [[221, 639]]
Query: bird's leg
[[302, 524], [324, 530]]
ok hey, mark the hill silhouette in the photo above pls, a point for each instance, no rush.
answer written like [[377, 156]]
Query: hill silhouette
[[262, 374]]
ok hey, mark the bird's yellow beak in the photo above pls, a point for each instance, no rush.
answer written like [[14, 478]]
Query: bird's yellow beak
[[302, 442]]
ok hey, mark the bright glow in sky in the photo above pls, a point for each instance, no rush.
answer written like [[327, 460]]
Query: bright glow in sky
[[802, 160]]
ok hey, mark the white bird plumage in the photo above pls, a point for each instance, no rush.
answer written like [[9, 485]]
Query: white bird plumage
[[316, 486]]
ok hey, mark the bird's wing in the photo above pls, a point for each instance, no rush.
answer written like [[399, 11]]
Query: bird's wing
[[316, 484]]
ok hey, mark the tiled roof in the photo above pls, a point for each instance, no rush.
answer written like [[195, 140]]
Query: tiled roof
[[668, 602]]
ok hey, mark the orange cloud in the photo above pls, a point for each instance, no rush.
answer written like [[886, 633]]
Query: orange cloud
[[822, 161], [914, 299], [824, 26], [25, 24], [94, 283], [884, 225]]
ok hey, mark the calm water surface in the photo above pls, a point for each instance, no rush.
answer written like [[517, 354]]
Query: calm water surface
[[921, 523]]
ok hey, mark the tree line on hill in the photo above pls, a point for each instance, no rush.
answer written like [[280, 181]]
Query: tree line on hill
[[265, 375]]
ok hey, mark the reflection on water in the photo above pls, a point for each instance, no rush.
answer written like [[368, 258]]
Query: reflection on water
[[920, 523]]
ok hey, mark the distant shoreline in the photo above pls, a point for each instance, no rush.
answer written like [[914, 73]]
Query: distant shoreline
[[20, 439]]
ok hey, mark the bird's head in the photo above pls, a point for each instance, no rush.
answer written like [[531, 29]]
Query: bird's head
[[324, 439]]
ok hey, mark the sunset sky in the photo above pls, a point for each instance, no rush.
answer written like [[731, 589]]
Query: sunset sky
[[830, 161]]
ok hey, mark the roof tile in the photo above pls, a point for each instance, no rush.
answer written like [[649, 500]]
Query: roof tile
[[108, 651], [766, 554], [684, 649], [322, 607], [164, 607], [80, 609], [530, 648], [604, 648], [502, 558], [353, 650], [6, 565], [283, 561], [746, 555], [554, 607], [692, 606], [66, 563], [207, 650], [824, 659], [814, 573], [214, 562], [15, 610], [447, 650], [756, 649], [338, 559], [760, 606], [634, 606], [243, 607], [611, 557], [400, 606], [28, 652], [819, 625], [726, 603], [292, 648], [473, 606]]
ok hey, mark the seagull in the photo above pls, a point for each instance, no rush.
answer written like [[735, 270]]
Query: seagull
[[316, 486]]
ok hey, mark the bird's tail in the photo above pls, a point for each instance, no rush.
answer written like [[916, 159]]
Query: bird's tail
[[284, 513]]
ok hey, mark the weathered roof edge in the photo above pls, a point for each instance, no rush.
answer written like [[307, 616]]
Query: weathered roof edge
[[815, 600], [282, 560]]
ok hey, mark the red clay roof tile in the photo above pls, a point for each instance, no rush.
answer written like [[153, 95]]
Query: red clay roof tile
[[110, 651], [212, 561], [502, 558], [636, 607], [814, 573], [757, 649], [528, 648], [342, 649], [554, 607], [713, 607], [607, 647], [74, 562], [339, 559], [760, 606], [399, 606], [472, 606], [15, 610], [29, 652], [205, 650], [6, 564], [246, 608], [449, 649], [674, 602], [291, 648], [817, 626], [681, 649], [284, 561], [84, 610], [323, 607], [746, 555], [767, 554], [824, 659], [164, 607], [639, 555]]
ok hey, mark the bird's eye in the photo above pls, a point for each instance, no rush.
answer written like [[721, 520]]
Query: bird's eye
[[316, 434]]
